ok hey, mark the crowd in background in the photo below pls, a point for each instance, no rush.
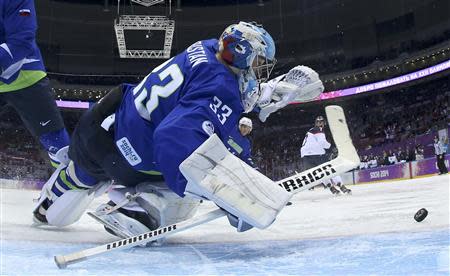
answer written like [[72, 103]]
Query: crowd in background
[[386, 128], [20, 154]]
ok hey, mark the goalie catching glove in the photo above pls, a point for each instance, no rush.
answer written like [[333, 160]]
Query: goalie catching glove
[[301, 84], [247, 195]]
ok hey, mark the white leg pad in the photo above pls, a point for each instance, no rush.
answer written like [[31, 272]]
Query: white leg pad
[[69, 207], [159, 202], [216, 174]]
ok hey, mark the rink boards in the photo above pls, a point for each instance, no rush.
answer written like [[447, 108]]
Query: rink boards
[[401, 171]]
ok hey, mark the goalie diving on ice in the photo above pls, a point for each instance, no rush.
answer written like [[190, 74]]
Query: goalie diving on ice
[[205, 168], [139, 135]]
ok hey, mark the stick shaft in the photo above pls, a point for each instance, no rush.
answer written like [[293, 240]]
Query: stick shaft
[[63, 260]]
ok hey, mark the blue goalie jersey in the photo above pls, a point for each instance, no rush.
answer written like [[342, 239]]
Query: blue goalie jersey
[[168, 115]]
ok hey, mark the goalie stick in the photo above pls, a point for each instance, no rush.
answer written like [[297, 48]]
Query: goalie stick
[[347, 159]]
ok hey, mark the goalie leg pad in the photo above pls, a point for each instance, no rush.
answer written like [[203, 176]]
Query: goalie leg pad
[[69, 207], [66, 195], [216, 174]]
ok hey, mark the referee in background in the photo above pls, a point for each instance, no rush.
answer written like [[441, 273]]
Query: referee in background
[[439, 150]]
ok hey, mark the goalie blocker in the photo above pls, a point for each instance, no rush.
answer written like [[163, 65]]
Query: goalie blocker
[[248, 195]]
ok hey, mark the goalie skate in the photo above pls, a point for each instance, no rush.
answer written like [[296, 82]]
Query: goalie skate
[[115, 222], [118, 224], [39, 218]]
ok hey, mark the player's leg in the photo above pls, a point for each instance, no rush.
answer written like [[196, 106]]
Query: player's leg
[[71, 183], [443, 164], [339, 183], [311, 161], [148, 206], [38, 111], [94, 159], [65, 196], [331, 184]]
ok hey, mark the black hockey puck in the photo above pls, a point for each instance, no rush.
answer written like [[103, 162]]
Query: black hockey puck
[[421, 215]]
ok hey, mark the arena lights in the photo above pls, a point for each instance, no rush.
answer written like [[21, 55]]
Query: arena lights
[[146, 23]]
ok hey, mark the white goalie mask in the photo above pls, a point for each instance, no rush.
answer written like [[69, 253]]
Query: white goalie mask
[[250, 50], [250, 92]]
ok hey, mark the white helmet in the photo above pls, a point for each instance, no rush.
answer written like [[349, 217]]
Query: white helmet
[[246, 122]]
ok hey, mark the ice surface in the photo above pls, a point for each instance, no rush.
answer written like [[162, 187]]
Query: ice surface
[[371, 232]]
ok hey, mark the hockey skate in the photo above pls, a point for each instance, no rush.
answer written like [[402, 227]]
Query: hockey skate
[[44, 200], [334, 191], [124, 223], [345, 190], [39, 213]]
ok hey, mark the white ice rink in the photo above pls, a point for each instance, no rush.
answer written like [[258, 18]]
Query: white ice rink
[[370, 232]]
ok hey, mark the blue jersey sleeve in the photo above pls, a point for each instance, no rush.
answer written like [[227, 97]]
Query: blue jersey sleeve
[[19, 24]]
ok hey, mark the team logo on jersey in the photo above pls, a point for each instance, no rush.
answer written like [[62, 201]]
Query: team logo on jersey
[[128, 151], [208, 127]]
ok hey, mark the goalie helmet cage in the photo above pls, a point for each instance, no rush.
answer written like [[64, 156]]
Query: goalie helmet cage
[[347, 159]]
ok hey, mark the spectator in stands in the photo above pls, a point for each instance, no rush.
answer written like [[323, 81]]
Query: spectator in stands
[[389, 133], [410, 155], [419, 152], [401, 155], [392, 158], [385, 159], [373, 162], [363, 164]]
